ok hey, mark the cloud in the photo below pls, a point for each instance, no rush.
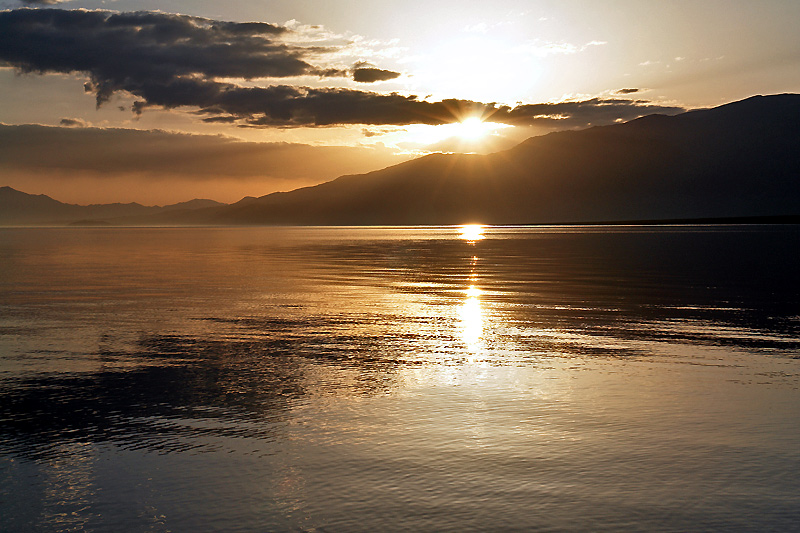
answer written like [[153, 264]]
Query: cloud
[[42, 2], [591, 112], [481, 27], [112, 150], [544, 48], [368, 132], [371, 75], [179, 61], [121, 49], [106, 164], [627, 91], [74, 123], [306, 106]]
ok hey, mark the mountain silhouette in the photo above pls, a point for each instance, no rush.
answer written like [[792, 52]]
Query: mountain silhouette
[[19, 208], [736, 161]]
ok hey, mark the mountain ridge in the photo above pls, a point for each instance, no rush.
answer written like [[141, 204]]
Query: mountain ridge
[[20, 208], [735, 162]]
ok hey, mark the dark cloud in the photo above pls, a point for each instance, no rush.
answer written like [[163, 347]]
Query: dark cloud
[[306, 106], [174, 61], [592, 112], [627, 91], [121, 50], [73, 123], [371, 75], [368, 132]]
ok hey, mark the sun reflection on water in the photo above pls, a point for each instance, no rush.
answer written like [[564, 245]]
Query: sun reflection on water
[[471, 232], [472, 319]]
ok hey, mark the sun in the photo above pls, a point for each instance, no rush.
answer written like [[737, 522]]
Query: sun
[[472, 129], [465, 134]]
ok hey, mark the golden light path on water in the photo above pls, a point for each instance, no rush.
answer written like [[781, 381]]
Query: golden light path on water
[[470, 312], [472, 319]]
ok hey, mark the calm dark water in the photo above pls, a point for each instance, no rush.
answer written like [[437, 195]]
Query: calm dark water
[[379, 379]]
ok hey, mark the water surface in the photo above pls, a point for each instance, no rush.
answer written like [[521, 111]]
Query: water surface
[[362, 379]]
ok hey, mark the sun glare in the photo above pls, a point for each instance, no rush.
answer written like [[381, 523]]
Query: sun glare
[[470, 132], [473, 129], [471, 232]]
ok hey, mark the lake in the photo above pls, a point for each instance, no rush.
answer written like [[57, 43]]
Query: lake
[[400, 379]]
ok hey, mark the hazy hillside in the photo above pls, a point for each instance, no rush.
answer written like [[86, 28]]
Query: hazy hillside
[[19, 208], [737, 160]]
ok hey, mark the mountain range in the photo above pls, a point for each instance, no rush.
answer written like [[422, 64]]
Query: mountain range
[[739, 161], [19, 208]]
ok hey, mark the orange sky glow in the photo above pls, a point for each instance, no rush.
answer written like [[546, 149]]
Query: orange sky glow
[[316, 90]]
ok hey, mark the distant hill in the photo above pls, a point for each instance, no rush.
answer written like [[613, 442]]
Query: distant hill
[[19, 208], [736, 161]]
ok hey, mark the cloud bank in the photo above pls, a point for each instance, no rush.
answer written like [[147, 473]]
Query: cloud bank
[[179, 61], [157, 153], [87, 164]]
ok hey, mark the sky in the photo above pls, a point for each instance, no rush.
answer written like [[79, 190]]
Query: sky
[[161, 101]]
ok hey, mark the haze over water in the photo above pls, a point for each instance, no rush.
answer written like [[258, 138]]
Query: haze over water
[[363, 379]]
